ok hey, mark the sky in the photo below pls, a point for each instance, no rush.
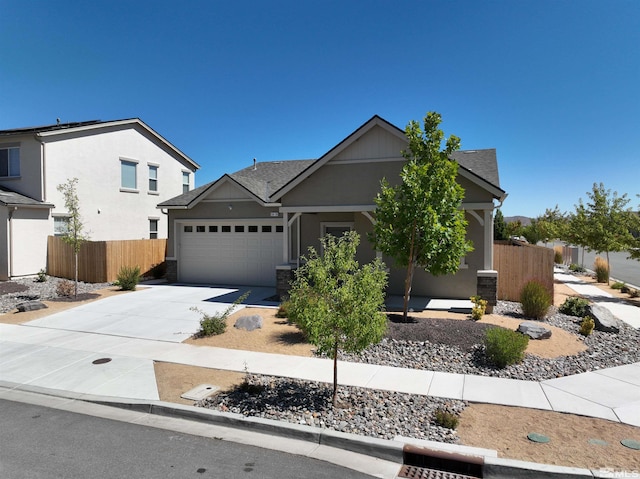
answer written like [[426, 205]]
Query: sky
[[553, 85]]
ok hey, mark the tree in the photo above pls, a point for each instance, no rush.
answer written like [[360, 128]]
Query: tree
[[514, 228], [576, 230], [419, 222], [499, 226], [609, 221], [336, 302], [74, 234]]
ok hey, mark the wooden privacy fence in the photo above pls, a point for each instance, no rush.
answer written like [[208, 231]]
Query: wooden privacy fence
[[516, 265], [100, 261]]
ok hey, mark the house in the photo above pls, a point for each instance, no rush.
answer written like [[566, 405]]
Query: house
[[252, 226], [124, 169]]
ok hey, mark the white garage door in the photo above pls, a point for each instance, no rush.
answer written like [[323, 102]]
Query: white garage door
[[230, 252]]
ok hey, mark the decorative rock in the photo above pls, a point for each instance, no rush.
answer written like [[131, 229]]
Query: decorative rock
[[605, 321], [249, 322], [534, 330], [31, 306]]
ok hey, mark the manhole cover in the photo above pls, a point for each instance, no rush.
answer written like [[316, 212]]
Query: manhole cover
[[598, 442], [414, 472], [101, 361], [535, 437], [631, 444]]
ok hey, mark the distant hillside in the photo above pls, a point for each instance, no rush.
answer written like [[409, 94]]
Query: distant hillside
[[525, 220]]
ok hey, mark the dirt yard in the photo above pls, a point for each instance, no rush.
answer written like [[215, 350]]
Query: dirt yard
[[489, 426]]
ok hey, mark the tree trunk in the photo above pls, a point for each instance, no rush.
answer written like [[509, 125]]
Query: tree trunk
[[408, 281], [608, 270], [75, 289], [335, 373]]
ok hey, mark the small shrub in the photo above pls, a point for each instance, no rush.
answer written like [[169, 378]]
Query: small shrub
[[587, 325], [557, 255], [42, 276], [601, 267], [576, 268], [504, 347], [246, 386], [217, 323], [129, 277], [65, 288], [625, 289], [575, 306], [479, 307], [283, 310], [618, 285], [444, 418], [535, 300], [634, 293]]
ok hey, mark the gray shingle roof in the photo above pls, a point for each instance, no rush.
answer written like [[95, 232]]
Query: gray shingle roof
[[482, 163], [57, 126], [11, 198]]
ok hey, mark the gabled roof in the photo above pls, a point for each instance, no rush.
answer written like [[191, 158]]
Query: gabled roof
[[11, 198], [482, 163], [258, 181], [47, 131]]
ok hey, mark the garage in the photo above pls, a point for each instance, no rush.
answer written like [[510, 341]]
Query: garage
[[242, 252]]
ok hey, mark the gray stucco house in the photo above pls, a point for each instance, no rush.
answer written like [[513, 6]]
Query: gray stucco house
[[252, 226]]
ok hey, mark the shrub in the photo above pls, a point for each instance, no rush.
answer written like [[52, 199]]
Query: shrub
[[42, 276], [65, 288], [535, 300], [128, 277], [575, 306], [504, 347], [618, 285], [576, 268], [444, 418], [587, 325], [634, 293], [212, 325], [625, 289], [601, 268], [283, 310], [479, 307], [557, 255]]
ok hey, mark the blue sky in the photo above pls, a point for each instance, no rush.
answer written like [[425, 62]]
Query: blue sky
[[554, 86]]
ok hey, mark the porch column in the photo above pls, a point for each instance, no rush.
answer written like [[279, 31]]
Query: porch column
[[488, 239], [285, 237]]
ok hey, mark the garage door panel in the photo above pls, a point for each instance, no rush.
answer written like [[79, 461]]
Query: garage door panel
[[247, 258]]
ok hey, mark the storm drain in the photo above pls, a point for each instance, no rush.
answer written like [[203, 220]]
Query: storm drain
[[414, 472]]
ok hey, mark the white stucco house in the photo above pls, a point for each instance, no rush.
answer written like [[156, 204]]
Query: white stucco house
[[124, 169]]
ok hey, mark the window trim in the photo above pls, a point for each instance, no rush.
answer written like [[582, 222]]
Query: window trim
[[8, 147], [337, 224], [135, 163], [155, 167], [151, 231], [59, 216]]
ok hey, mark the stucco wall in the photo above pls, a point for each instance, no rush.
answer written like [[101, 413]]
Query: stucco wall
[[30, 228], [29, 181]]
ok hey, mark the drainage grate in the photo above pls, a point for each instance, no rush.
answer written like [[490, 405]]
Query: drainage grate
[[413, 472]]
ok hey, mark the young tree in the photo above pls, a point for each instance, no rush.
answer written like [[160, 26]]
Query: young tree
[[336, 302], [514, 228], [74, 234], [499, 226], [419, 222], [609, 221]]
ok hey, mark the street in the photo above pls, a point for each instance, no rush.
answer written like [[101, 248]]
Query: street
[[38, 442], [623, 269]]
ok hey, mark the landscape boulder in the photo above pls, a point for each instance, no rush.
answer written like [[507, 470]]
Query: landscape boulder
[[604, 319], [249, 322], [31, 306], [534, 330]]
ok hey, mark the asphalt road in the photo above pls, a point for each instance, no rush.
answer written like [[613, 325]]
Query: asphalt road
[[38, 442], [623, 269]]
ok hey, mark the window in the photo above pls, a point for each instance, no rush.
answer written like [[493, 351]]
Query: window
[[10, 161], [153, 178], [253, 229], [279, 229], [266, 228], [239, 229], [153, 229], [335, 229], [60, 224], [185, 181], [188, 229], [200, 229], [213, 229], [128, 179], [226, 229]]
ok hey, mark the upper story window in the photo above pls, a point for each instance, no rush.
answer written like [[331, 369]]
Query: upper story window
[[153, 228], [129, 179], [60, 225], [153, 178], [9, 161], [185, 181]]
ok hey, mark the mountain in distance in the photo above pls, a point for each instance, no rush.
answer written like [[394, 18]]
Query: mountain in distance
[[525, 220]]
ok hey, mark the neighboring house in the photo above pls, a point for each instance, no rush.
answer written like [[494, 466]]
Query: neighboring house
[[245, 226], [124, 170]]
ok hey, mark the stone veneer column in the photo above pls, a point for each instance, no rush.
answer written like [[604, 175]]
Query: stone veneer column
[[172, 271], [487, 287], [284, 276]]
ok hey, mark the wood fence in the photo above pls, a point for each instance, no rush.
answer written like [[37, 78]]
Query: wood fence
[[518, 264], [100, 261]]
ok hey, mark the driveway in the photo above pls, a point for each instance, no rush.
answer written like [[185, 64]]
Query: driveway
[[158, 312]]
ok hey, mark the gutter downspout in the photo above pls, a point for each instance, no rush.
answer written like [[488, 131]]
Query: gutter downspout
[[12, 209], [43, 168]]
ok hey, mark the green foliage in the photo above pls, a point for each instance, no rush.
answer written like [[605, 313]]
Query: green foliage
[[42, 276], [587, 325], [479, 307], [213, 325], [66, 288], [576, 268], [618, 285], [419, 222], [336, 302], [499, 227], [504, 347], [515, 228], [535, 299], [575, 306], [128, 277], [285, 310], [601, 268], [444, 418], [557, 255]]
